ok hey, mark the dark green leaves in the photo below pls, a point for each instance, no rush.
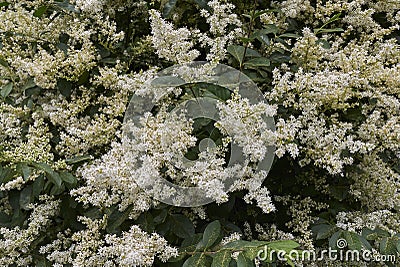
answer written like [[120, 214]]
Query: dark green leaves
[[240, 53], [286, 245], [51, 175], [353, 240], [65, 5], [323, 231], [40, 11], [23, 168], [222, 259], [237, 52], [167, 81], [197, 260], [210, 235], [68, 177], [242, 261], [388, 245], [78, 159], [258, 62], [168, 8], [270, 28], [182, 226], [348, 240], [6, 89], [26, 197]]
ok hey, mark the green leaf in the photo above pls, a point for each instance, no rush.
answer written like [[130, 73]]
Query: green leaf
[[241, 244], [334, 18], [109, 60], [279, 57], [365, 243], [4, 219], [369, 234], [217, 92], [222, 259], [334, 238], [252, 53], [323, 231], [160, 216], [197, 260], [258, 13], [7, 175], [65, 88], [78, 159], [52, 175], [26, 197], [29, 84], [3, 62], [177, 258], [145, 220], [388, 245], [84, 78], [67, 6], [117, 218], [23, 168], [202, 4], [38, 185], [289, 35], [340, 192], [398, 246], [286, 245], [36, 90], [270, 28], [210, 235], [6, 89], [57, 190], [242, 261], [237, 52], [258, 62], [250, 248], [328, 30], [4, 4], [190, 243], [324, 43], [40, 11], [167, 81], [262, 36], [68, 177], [182, 226], [353, 241], [63, 47], [168, 8]]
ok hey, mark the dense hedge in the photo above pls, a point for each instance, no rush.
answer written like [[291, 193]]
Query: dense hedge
[[329, 70]]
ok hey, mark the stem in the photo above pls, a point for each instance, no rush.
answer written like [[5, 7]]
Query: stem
[[250, 29]]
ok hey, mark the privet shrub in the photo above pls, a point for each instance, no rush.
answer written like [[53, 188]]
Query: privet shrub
[[330, 70]]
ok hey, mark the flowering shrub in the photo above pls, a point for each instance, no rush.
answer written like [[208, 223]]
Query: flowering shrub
[[69, 195]]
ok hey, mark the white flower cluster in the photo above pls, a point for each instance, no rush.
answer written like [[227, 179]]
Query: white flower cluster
[[177, 45], [356, 221], [245, 124], [171, 44], [89, 247], [300, 211], [224, 28], [90, 6], [108, 182], [15, 242], [271, 233], [136, 248], [365, 71]]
